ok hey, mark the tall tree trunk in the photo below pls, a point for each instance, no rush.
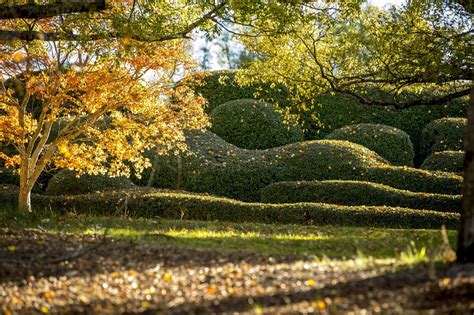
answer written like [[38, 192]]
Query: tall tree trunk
[[465, 250]]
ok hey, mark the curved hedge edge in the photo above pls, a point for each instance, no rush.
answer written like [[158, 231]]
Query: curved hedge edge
[[391, 143], [445, 161], [357, 193], [152, 203]]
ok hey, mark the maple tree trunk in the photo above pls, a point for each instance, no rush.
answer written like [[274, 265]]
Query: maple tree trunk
[[465, 250], [24, 196], [24, 199]]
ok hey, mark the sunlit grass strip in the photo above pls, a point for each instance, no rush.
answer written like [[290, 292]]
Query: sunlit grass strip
[[332, 242]]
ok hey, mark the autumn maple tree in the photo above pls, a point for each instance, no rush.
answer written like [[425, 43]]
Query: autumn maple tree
[[101, 104]]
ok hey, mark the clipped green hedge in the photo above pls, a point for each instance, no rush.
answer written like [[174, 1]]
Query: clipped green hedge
[[214, 166], [251, 124], [391, 143], [357, 193], [446, 134], [152, 203], [446, 161], [220, 87], [67, 183], [337, 111]]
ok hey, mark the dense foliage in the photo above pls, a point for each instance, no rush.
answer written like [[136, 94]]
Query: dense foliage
[[69, 183], [390, 143], [217, 167], [357, 193], [446, 161], [332, 111], [251, 124], [176, 205], [446, 134]]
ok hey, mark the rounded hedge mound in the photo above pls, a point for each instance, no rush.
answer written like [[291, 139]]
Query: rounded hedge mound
[[445, 134], [336, 111], [357, 193], [391, 143], [67, 183], [252, 124], [214, 166], [446, 161]]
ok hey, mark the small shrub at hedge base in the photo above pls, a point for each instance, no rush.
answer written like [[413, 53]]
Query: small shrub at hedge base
[[152, 203], [391, 143], [67, 183], [446, 134], [216, 167], [357, 193], [251, 124], [446, 161]]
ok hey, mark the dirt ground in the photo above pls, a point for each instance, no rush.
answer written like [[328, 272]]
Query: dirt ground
[[64, 273]]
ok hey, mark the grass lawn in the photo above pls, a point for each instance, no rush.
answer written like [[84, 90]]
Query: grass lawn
[[334, 242], [62, 264]]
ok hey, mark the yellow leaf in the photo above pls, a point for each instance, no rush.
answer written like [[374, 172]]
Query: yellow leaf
[[48, 295], [145, 304], [211, 290], [319, 304], [17, 57], [310, 282], [12, 248], [167, 277], [44, 310]]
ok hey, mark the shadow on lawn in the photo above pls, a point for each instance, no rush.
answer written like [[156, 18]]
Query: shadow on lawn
[[450, 290]]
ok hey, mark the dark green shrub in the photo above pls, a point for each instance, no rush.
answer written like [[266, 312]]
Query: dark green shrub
[[212, 165], [220, 87], [391, 143], [446, 134], [152, 203], [357, 193], [251, 124], [216, 167], [339, 110], [8, 176], [67, 183], [446, 161]]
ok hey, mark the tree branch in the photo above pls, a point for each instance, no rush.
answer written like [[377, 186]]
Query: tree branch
[[401, 105], [12, 35], [39, 11]]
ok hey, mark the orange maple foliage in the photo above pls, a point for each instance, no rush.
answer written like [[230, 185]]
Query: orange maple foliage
[[97, 112]]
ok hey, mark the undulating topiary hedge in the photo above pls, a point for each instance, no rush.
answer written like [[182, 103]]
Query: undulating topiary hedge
[[391, 143], [337, 111], [251, 124], [446, 134], [67, 183], [357, 193], [216, 167], [446, 161], [152, 203]]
